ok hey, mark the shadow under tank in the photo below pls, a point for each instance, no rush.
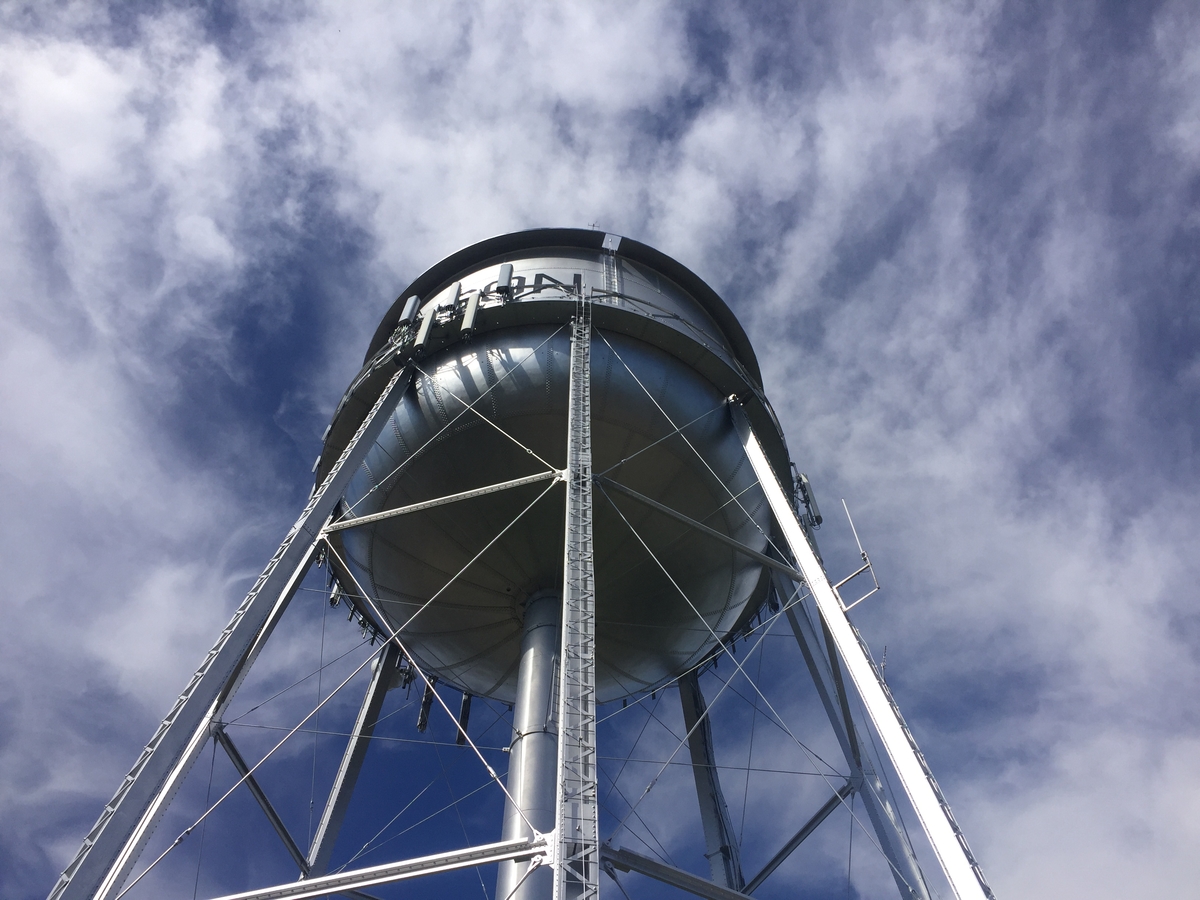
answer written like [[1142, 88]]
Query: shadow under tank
[[647, 632]]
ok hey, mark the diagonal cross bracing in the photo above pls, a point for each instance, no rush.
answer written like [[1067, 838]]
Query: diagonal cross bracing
[[628, 861], [800, 836], [395, 472], [893, 838], [112, 846], [699, 526], [470, 407], [260, 795]]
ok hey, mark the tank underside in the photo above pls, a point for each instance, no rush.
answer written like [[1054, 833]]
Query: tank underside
[[647, 629]]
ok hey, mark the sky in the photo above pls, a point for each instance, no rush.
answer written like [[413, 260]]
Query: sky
[[962, 238]]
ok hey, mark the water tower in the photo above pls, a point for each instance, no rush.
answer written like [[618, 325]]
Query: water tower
[[555, 483]]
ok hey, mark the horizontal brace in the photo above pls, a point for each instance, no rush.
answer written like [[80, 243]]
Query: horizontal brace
[[628, 861], [522, 848], [800, 836], [702, 528], [441, 501]]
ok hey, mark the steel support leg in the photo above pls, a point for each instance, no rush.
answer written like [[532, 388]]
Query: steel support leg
[[115, 841], [533, 753], [352, 760], [891, 834], [577, 854], [831, 689], [962, 871], [721, 848]]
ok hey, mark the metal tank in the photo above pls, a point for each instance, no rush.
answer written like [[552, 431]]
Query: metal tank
[[488, 326]]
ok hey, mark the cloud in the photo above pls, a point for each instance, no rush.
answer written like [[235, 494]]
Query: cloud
[[962, 241]]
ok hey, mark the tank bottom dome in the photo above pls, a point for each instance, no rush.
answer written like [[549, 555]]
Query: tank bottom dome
[[652, 624]]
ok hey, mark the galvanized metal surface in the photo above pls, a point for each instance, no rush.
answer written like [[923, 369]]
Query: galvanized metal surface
[[112, 846], [389, 873], [518, 380], [800, 837], [577, 825], [533, 752], [628, 861]]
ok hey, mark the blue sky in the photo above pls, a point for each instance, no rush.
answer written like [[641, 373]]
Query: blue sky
[[963, 239]]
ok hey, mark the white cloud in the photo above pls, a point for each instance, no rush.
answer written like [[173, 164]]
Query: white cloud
[[913, 213]]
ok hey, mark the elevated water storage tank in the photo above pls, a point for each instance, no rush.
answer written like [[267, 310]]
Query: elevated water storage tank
[[489, 330]]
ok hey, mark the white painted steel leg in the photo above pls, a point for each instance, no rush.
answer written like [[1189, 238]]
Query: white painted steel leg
[[115, 841], [893, 840], [577, 854], [948, 843], [721, 847]]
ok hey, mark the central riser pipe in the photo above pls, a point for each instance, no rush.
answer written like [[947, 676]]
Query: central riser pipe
[[533, 754]]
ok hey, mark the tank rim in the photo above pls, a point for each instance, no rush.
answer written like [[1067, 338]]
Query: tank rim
[[443, 273]]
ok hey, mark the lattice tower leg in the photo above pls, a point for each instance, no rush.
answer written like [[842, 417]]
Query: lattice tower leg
[[112, 846], [577, 852]]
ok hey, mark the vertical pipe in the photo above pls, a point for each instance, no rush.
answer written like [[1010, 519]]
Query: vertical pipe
[[533, 754]]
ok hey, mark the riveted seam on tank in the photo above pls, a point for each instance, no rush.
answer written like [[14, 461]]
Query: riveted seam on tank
[[736, 469], [371, 569], [608, 368], [733, 581], [464, 667], [399, 436], [507, 674], [490, 379], [757, 506], [366, 467], [436, 387], [353, 558]]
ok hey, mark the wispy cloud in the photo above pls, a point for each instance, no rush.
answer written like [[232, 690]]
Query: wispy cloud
[[963, 240]]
